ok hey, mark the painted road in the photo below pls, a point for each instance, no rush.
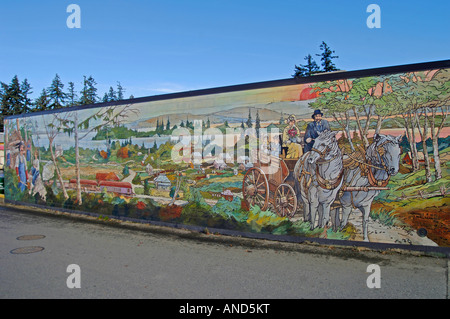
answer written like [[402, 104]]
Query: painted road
[[127, 263]]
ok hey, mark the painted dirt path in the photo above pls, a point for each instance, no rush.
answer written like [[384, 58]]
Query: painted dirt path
[[383, 234]]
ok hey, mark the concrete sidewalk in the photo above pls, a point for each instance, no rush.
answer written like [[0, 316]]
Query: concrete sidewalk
[[141, 261]]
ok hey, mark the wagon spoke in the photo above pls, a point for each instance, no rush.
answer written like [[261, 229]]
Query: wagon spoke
[[262, 183], [257, 179], [278, 191], [248, 183], [263, 190], [253, 175], [259, 201], [260, 196]]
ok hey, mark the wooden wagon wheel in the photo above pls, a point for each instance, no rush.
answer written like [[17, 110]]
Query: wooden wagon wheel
[[285, 201], [255, 188]]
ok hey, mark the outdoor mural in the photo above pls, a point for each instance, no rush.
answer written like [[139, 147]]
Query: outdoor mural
[[360, 159]]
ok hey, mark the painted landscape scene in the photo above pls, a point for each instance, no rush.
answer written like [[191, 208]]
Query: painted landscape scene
[[377, 168]]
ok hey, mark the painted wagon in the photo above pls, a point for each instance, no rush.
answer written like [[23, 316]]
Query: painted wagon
[[263, 185], [271, 182]]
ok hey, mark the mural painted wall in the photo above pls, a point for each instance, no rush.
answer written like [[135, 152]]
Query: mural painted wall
[[359, 159]]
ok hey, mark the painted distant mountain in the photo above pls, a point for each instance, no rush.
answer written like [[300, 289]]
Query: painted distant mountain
[[267, 113]]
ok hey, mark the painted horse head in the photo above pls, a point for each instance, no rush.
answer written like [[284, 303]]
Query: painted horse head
[[384, 153], [325, 147]]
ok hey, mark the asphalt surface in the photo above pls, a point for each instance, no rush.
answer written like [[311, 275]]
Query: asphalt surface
[[161, 263]]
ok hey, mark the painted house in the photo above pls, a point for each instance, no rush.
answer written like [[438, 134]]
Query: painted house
[[124, 188], [228, 195], [162, 182], [407, 159], [86, 185], [220, 165]]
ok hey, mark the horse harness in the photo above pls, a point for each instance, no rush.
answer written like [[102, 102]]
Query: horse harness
[[323, 183], [367, 167]]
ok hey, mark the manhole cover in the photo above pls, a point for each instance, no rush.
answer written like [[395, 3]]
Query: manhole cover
[[30, 237], [27, 250]]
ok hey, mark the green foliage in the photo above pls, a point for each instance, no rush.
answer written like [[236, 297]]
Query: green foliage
[[218, 187], [12, 190], [89, 91], [311, 67], [307, 69], [327, 58], [56, 94], [385, 217], [229, 209], [266, 221]]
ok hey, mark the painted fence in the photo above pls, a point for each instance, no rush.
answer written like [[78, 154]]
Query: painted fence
[[353, 156]]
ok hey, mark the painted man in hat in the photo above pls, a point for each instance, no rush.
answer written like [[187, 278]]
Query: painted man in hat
[[314, 128], [291, 139]]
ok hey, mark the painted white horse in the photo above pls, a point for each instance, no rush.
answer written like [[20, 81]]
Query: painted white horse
[[382, 160], [319, 177]]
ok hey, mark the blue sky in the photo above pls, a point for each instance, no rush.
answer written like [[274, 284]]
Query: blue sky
[[157, 47]]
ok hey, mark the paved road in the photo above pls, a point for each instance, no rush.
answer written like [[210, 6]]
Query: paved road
[[124, 263]]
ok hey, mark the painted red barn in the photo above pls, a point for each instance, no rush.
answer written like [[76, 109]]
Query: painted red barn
[[407, 159], [107, 177]]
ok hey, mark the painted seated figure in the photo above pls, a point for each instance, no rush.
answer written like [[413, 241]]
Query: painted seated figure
[[291, 139]]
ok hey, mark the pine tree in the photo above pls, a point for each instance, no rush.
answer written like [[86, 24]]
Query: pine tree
[[120, 91], [42, 102], [105, 98], [168, 124], [3, 103], [12, 97], [257, 123], [307, 69], [71, 95], [112, 95], [26, 91], [326, 58], [89, 91], [154, 148], [56, 93], [249, 120]]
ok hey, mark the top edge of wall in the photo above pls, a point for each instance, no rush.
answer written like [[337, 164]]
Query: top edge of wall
[[328, 76]]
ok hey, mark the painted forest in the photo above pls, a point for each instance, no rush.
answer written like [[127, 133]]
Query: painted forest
[[414, 104]]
